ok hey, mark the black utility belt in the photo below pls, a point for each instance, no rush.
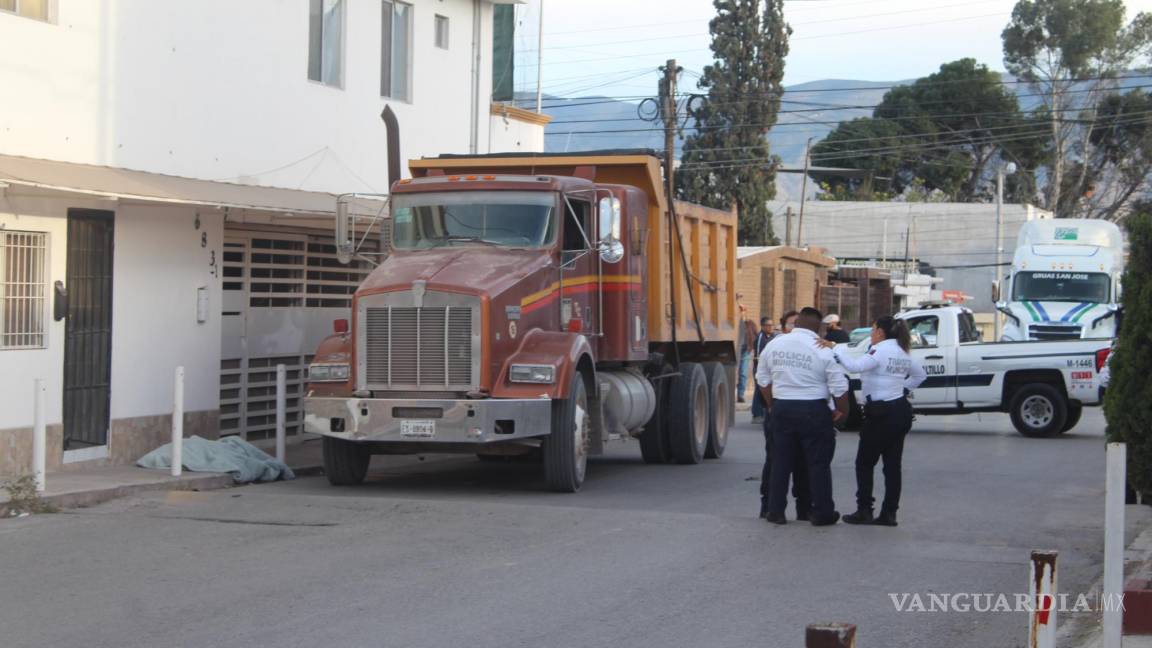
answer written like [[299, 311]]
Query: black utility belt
[[884, 404]]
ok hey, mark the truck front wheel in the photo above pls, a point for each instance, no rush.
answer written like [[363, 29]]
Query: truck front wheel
[[1038, 410], [689, 412], [566, 447], [345, 462]]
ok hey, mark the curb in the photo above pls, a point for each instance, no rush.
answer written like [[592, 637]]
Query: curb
[[1087, 633], [187, 482], [86, 498]]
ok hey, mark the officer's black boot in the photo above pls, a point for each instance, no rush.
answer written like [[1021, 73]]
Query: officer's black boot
[[861, 516], [886, 518]]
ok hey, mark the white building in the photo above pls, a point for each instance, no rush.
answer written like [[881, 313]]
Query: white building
[[959, 239], [168, 174]]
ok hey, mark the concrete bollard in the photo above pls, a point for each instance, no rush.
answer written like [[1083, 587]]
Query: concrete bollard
[[830, 635], [281, 410], [178, 424], [1113, 586], [1042, 588], [39, 435]]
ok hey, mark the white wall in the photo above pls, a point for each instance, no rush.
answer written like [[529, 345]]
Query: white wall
[[218, 89], [159, 263], [507, 134]]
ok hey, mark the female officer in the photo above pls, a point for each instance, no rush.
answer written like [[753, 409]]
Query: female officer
[[887, 373]]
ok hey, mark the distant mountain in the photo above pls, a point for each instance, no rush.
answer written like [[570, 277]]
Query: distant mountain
[[807, 110]]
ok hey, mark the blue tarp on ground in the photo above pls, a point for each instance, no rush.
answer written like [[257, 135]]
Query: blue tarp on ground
[[246, 462]]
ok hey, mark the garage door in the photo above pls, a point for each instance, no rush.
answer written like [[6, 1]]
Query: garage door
[[281, 294]]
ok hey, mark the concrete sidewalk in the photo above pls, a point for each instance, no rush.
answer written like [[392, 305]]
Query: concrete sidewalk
[[81, 488], [1137, 566]]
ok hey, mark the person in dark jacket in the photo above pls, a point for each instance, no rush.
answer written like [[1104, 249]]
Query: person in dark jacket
[[763, 337], [834, 333]]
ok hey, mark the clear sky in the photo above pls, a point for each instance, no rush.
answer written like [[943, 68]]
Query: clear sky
[[612, 47]]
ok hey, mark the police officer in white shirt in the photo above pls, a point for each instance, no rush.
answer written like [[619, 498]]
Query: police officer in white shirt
[[887, 374], [796, 376]]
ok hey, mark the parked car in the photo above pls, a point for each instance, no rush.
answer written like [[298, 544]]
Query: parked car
[[862, 333]]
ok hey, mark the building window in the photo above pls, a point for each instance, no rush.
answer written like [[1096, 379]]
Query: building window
[[442, 32], [325, 42], [35, 9], [790, 290], [23, 292], [396, 50], [503, 52]]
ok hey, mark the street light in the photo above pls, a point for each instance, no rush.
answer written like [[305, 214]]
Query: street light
[[1003, 170]]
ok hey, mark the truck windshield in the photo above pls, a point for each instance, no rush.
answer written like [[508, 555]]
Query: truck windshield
[[505, 218], [1061, 286]]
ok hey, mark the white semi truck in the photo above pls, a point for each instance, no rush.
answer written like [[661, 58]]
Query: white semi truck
[[1064, 282]]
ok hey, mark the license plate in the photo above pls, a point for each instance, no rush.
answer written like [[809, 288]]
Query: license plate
[[417, 428]]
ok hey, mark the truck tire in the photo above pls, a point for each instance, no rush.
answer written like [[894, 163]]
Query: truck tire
[[1074, 412], [566, 448], [655, 447], [688, 414], [1038, 410], [721, 401], [345, 462]]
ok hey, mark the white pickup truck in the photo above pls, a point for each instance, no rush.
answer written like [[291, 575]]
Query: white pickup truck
[[1043, 385]]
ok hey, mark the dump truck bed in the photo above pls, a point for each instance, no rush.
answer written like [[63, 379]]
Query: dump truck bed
[[706, 236]]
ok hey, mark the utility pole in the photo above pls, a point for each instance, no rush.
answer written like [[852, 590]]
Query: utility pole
[[804, 192], [668, 108], [788, 227], [1004, 169], [540, 63]]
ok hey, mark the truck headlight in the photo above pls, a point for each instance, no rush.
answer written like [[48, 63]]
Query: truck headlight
[[526, 373], [328, 373]]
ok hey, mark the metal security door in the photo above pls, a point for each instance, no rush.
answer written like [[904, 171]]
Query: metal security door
[[88, 329]]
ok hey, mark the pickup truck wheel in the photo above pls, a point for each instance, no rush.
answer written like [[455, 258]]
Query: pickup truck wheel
[[721, 397], [655, 447], [1074, 412], [345, 462], [566, 448], [688, 414], [1038, 410]]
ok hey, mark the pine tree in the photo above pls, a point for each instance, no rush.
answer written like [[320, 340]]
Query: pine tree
[[1128, 402], [726, 159]]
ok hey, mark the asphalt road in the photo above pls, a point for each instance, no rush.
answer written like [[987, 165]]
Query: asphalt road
[[453, 552]]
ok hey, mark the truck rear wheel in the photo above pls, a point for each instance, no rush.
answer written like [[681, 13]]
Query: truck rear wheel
[[345, 462], [1038, 410], [718, 422], [689, 414], [1074, 412], [566, 448], [655, 447]]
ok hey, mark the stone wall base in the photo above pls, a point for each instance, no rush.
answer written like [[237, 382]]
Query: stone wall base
[[129, 439]]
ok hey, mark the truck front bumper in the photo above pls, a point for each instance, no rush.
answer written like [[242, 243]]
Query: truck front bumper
[[474, 422]]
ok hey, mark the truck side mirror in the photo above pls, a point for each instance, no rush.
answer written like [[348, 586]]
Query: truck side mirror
[[610, 248]]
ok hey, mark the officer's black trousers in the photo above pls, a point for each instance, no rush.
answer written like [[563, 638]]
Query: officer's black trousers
[[886, 424], [800, 487], [802, 425]]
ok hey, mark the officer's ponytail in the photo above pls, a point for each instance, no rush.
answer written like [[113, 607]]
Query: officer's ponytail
[[895, 329]]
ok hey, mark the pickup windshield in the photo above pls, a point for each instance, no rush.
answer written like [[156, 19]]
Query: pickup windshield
[[506, 218], [1061, 287]]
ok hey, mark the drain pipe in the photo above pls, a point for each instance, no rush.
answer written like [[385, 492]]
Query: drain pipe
[[474, 130]]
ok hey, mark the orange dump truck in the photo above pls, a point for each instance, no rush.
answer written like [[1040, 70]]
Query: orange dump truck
[[535, 305]]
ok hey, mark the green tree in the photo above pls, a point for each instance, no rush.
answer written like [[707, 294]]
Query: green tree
[[1128, 402], [1070, 52], [944, 133], [1116, 168], [726, 158]]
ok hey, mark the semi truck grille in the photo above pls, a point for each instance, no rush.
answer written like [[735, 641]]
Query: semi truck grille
[[1054, 332], [418, 347]]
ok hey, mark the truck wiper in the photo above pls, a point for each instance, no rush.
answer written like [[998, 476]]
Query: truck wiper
[[469, 239]]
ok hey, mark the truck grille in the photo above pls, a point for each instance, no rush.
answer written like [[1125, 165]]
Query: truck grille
[[1054, 332], [418, 347]]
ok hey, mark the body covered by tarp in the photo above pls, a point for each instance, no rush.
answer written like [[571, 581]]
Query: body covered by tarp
[[244, 461]]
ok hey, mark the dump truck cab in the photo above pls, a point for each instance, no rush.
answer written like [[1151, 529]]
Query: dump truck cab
[[511, 316]]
